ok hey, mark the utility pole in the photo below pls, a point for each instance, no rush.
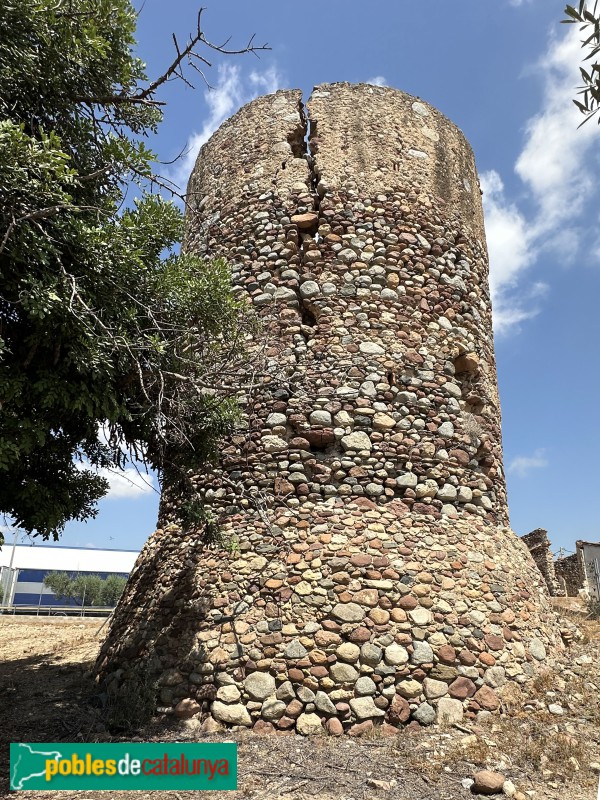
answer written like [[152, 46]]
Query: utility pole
[[7, 584]]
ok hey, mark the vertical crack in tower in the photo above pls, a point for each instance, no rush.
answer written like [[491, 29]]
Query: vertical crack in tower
[[365, 571]]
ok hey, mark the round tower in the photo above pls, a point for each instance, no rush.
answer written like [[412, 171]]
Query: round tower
[[363, 570]]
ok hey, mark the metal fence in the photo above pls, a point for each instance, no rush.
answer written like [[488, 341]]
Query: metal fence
[[57, 611]]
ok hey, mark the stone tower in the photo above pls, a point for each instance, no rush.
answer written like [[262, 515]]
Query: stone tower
[[364, 570]]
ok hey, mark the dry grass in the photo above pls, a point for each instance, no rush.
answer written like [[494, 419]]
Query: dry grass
[[454, 754], [528, 747], [543, 682]]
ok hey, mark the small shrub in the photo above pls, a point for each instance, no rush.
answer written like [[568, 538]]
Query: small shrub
[[593, 608], [471, 426], [543, 682], [132, 703], [195, 514]]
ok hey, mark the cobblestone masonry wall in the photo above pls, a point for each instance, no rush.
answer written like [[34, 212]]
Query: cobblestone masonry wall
[[570, 571], [365, 570], [539, 546]]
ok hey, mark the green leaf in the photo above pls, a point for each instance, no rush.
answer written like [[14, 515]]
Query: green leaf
[[101, 320], [571, 12]]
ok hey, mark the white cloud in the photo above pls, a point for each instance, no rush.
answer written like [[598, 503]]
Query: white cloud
[[507, 232], [127, 483], [509, 244], [553, 166], [554, 161], [596, 244], [123, 483], [232, 90], [378, 80], [522, 465], [266, 82]]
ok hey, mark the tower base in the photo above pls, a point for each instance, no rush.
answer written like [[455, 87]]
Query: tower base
[[332, 615]]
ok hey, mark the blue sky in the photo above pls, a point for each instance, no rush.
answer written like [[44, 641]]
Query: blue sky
[[505, 73]]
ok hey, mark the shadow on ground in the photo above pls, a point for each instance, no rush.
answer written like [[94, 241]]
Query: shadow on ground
[[43, 701]]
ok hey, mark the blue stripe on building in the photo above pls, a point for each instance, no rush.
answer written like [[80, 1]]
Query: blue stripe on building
[[30, 579], [37, 599]]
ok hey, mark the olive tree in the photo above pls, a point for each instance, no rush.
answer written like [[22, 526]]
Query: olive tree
[[588, 18]]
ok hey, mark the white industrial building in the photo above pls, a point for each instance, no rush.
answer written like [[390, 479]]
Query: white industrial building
[[24, 567]]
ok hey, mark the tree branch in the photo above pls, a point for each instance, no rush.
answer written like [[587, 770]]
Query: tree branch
[[41, 213], [117, 99], [187, 52]]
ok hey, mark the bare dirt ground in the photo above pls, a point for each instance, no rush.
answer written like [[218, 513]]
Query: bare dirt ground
[[46, 694]]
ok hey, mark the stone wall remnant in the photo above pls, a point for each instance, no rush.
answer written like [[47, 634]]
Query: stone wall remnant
[[570, 574], [539, 546], [364, 570], [580, 572]]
